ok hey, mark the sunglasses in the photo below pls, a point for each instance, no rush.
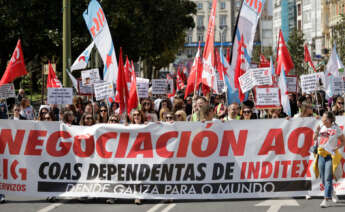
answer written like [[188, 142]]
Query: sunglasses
[[16, 110], [136, 114], [341, 103], [169, 117], [103, 110], [247, 111], [178, 115], [113, 120], [47, 118], [88, 118]]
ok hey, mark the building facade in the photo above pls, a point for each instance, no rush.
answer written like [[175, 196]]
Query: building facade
[[284, 18], [331, 15]]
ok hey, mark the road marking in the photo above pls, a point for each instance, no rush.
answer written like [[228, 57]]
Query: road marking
[[275, 205], [169, 207], [50, 207], [158, 206]]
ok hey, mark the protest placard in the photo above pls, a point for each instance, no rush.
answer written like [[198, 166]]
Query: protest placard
[[220, 86], [160, 86], [60, 96], [267, 97], [246, 81], [90, 76], [291, 83], [262, 76], [84, 90], [337, 86], [312, 82], [7, 91], [143, 87], [103, 90]]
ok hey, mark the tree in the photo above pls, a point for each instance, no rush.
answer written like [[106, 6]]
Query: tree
[[296, 49], [338, 37], [152, 30]]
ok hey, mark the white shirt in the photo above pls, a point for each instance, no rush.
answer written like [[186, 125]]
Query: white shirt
[[328, 138]]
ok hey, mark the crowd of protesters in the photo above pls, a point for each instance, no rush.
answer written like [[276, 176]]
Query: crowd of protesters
[[86, 112]]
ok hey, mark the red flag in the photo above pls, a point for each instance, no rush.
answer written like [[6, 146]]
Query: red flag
[[128, 73], [220, 67], [283, 56], [307, 58], [228, 55], [121, 86], [174, 91], [52, 80], [179, 80], [133, 94], [16, 66], [208, 73], [239, 69], [194, 78], [264, 63]]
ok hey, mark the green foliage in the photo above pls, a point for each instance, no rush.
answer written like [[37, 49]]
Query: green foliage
[[296, 49], [338, 37], [152, 30]]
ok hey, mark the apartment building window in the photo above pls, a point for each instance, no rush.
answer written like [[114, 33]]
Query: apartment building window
[[222, 20], [210, 5], [199, 5], [200, 21], [222, 5], [223, 36], [299, 10], [200, 36]]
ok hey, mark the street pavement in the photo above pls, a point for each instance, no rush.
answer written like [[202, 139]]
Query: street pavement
[[15, 204]]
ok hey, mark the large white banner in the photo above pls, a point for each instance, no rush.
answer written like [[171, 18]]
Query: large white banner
[[182, 160]]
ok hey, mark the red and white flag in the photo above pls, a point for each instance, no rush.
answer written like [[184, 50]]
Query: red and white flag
[[307, 58], [179, 80], [16, 67], [264, 63], [52, 81], [283, 56], [209, 78], [240, 67], [194, 78], [128, 71], [121, 86]]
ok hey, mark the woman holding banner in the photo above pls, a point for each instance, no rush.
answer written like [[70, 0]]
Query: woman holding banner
[[328, 157]]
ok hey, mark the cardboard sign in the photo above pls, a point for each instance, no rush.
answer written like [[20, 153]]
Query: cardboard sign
[[262, 76], [60, 96], [90, 76], [160, 86], [337, 86], [7, 91], [291, 84], [247, 81], [312, 82], [103, 90], [143, 87], [267, 97]]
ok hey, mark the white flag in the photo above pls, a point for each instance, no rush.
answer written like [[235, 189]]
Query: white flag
[[284, 98], [98, 26], [82, 60], [333, 66]]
